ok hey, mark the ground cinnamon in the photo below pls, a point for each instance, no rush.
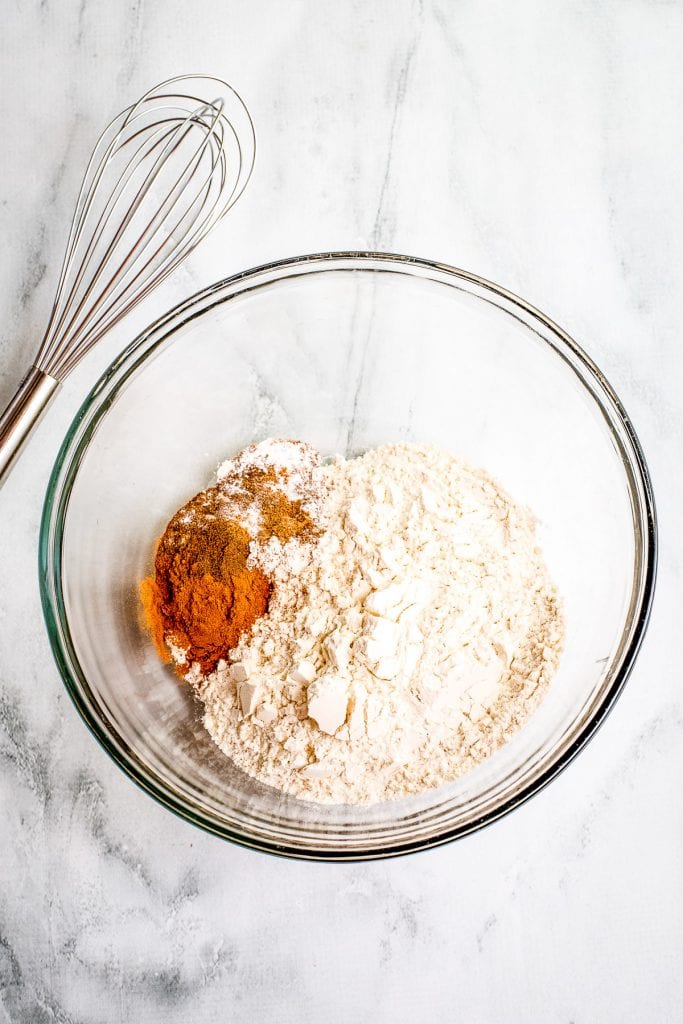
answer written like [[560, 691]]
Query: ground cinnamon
[[281, 517], [203, 597]]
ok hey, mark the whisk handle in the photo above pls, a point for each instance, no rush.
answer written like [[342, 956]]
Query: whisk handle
[[22, 414]]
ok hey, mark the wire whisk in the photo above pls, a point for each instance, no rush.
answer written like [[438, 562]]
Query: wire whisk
[[161, 176]]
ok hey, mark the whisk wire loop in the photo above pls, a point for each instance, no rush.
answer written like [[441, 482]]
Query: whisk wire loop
[[161, 176], [124, 275]]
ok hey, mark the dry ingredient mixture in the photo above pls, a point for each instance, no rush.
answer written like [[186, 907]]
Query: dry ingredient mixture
[[360, 630]]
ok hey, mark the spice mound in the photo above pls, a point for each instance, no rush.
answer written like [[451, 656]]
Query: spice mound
[[359, 630], [204, 595]]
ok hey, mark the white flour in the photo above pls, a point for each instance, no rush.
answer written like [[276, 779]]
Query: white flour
[[412, 640]]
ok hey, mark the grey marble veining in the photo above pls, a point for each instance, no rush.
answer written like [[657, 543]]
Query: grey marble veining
[[539, 145]]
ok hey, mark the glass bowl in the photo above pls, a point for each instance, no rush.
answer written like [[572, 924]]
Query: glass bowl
[[347, 351]]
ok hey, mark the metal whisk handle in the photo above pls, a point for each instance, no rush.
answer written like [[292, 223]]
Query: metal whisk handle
[[22, 414]]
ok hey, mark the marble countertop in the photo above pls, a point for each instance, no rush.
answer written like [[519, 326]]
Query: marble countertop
[[540, 146]]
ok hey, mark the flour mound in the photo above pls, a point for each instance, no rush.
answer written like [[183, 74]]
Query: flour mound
[[405, 645]]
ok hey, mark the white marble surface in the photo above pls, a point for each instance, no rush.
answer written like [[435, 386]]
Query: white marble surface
[[540, 145]]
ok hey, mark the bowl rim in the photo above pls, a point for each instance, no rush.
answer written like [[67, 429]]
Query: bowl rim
[[64, 473]]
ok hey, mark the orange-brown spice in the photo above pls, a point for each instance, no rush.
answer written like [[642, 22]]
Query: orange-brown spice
[[282, 517], [202, 596]]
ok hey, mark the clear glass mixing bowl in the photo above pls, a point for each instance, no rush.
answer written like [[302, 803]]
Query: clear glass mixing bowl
[[348, 351]]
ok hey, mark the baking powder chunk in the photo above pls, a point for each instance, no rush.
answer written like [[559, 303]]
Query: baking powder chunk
[[327, 703]]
